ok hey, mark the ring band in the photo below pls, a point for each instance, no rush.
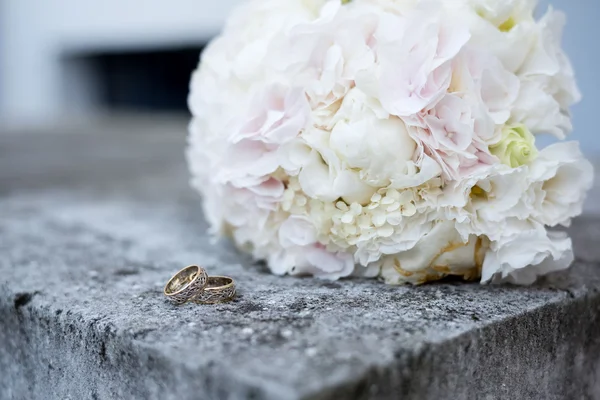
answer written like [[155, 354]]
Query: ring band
[[219, 289], [186, 284]]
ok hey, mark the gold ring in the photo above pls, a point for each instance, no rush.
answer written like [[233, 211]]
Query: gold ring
[[186, 284], [219, 289]]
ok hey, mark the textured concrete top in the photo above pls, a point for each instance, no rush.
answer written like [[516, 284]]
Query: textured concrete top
[[93, 224]]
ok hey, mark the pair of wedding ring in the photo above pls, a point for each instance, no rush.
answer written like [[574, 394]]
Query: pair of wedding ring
[[193, 284]]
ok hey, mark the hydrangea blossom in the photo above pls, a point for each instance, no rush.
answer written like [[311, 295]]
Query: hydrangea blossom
[[391, 139]]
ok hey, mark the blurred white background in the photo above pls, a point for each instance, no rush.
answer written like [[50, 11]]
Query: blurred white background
[[51, 52], [41, 75]]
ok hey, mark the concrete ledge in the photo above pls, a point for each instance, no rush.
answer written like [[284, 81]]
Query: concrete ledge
[[84, 260]]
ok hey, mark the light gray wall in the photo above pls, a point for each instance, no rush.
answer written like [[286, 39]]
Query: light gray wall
[[582, 43]]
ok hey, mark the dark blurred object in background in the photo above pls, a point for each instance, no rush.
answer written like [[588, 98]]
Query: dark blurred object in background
[[143, 80]]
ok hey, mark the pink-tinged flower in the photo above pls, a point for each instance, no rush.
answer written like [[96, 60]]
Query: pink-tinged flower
[[458, 129], [414, 55], [478, 73], [325, 55], [448, 134], [245, 211], [390, 135], [276, 116], [303, 255]]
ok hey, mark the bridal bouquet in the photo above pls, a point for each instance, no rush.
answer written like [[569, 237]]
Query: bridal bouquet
[[389, 138]]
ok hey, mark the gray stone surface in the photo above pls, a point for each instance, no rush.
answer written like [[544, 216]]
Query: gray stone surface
[[94, 220]]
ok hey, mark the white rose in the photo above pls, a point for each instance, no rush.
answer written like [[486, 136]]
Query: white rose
[[516, 146]]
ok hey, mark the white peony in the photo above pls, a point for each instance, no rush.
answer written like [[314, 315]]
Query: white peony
[[440, 253], [371, 141], [389, 139]]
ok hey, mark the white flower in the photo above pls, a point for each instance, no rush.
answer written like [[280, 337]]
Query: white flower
[[243, 213], [441, 252], [389, 138], [302, 254], [379, 146], [389, 224], [325, 55], [505, 28], [276, 117], [253, 27], [491, 89], [324, 176], [548, 85], [414, 54], [494, 204], [526, 255], [449, 136], [562, 177], [457, 130], [516, 146], [503, 14]]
